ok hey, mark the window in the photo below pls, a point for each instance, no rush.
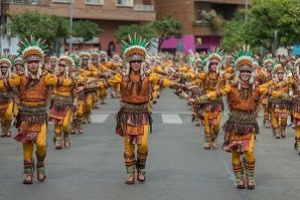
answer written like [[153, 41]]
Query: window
[[125, 3], [94, 2], [62, 1]]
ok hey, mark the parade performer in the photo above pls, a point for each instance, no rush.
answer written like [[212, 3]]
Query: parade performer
[[243, 95], [134, 119], [6, 95], [62, 104], [212, 80], [279, 108], [32, 116], [264, 75]]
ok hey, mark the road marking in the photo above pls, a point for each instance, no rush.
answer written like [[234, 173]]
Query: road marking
[[99, 118], [171, 119]]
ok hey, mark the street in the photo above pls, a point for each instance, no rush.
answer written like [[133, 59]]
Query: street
[[178, 167]]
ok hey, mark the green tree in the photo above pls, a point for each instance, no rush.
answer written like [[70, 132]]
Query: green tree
[[165, 28], [145, 31], [86, 30], [234, 33], [160, 29], [48, 27]]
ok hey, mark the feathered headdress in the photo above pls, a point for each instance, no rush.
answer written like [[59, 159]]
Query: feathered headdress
[[268, 60], [215, 55], [68, 61], [8, 60], [135, 48], [243, 59], [32, 49]]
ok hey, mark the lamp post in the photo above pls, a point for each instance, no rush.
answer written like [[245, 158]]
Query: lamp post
[[246, 8], [71, 26]]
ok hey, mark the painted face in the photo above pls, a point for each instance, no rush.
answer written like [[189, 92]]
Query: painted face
[[85, 61], [280, 75], [102, 57], [53, 63], [95, 60], [18, 67], [245, 75], [62, 67], [4, 68], [33, 66], [213, 66], [136, 65]]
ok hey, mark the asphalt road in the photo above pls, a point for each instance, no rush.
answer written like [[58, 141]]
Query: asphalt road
[[178, 167]]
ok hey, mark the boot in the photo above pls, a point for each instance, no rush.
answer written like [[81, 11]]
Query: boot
[[67, 143], [214, 143], [249, 169], [239, 175], [130, 169], [277, 132], [297, 145], [73, 126], [28, 171], [40, 167], [283, 132], [79, 127], [141, 171], [58, 143], [207, 144], [88, 118], [267, 123]]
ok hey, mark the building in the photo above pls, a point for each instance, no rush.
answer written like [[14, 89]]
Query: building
[[109, 14], [199, 34]]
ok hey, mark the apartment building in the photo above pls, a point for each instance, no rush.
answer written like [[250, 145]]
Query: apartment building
[[109, 14], [199, 33]]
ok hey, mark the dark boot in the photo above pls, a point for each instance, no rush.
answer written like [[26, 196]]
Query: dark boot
[[141, 171], [249, 169], [28, 171], [239, 175], [73, 126], [297, 145], [283, 132], [277, 132], [130, 168], [40, 166], [67, 143]]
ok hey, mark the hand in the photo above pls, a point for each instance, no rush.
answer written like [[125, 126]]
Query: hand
[[284, 96], [78, 89], [202, 99]]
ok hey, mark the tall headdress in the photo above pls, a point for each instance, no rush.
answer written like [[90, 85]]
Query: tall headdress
[[85, 55], [215, 55], [135, 49], [244, 62], [268, 60], [18, 60], [68, 61], [278, 68], [9, 61], [32, 49]]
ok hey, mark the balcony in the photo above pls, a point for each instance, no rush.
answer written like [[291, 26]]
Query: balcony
[[29, 2], [143, 8]]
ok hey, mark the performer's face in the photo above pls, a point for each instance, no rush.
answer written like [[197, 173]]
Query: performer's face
[[280, 75], [33, 66], [4, 68], [245, 75], [62, 67], [52, 63], [95, 60], [102, 57], [18, 67], [213, 66], [136, 65]]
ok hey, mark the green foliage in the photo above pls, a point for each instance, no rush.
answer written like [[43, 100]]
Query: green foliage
[[48, 27], [145, 31], [167, 27], [264, 18], [85, 29], [161, 29], [234, 33]]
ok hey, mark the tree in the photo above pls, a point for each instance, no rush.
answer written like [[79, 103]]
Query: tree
[[165, 28], [48, 27], [86, 30], [234, 33], [145, 31]]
